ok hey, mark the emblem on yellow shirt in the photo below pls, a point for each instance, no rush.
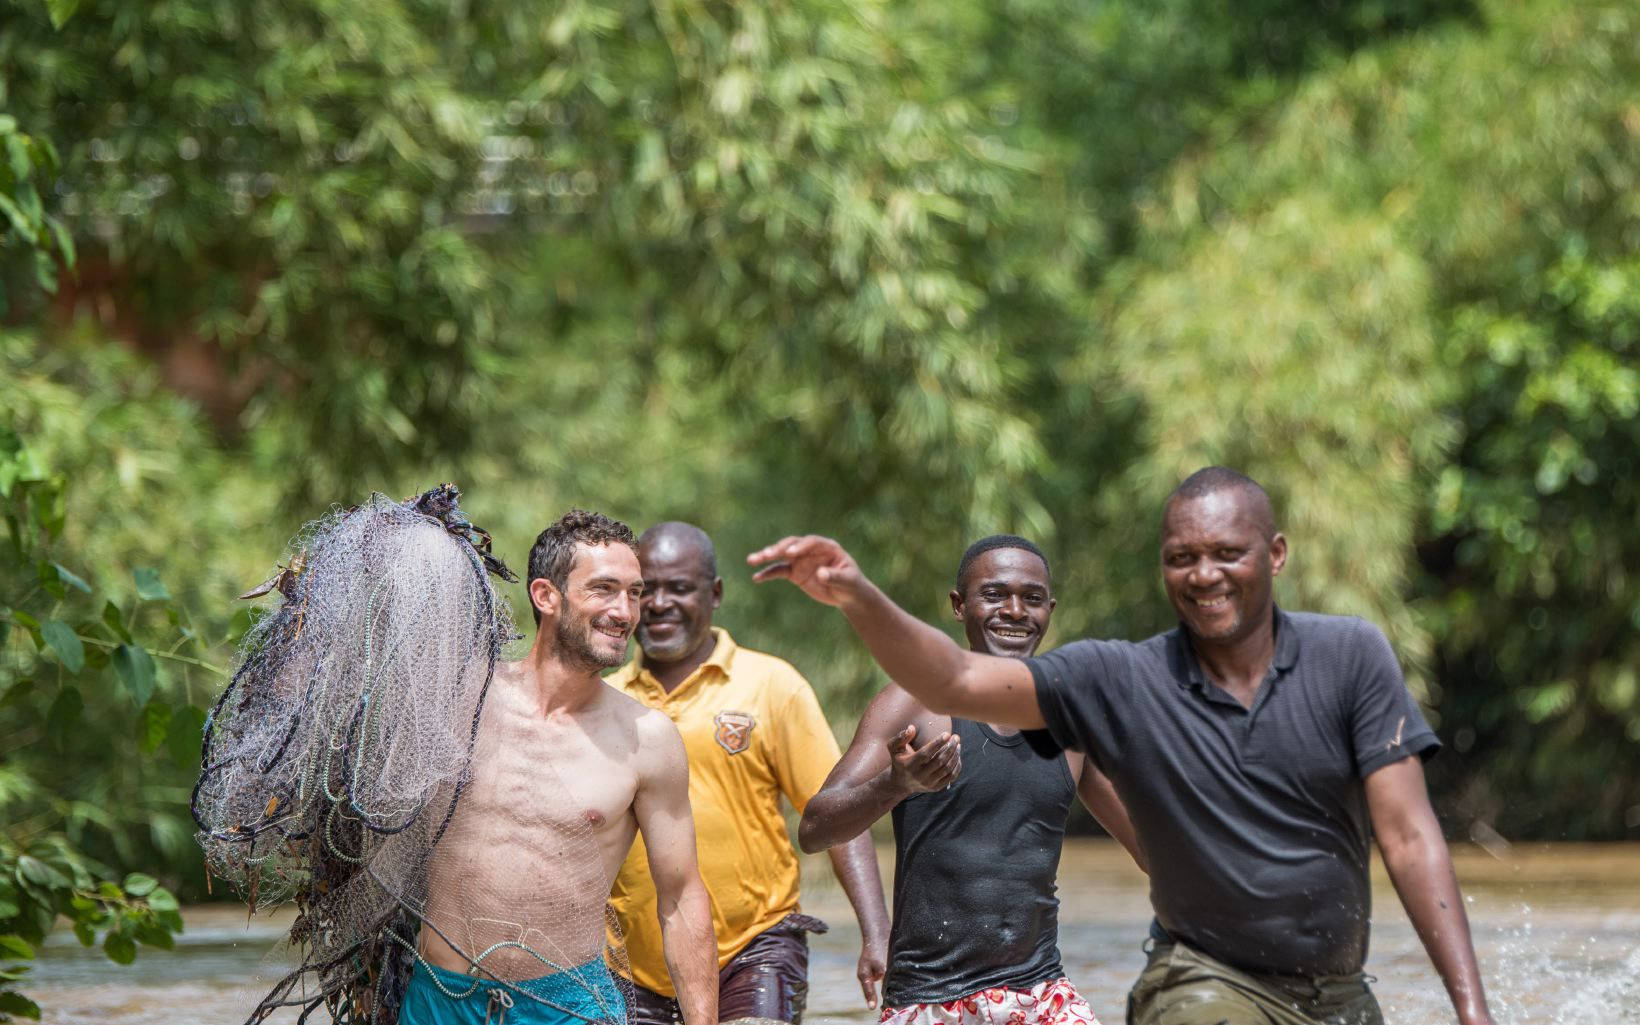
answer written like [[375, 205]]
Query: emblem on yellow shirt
[[734, 730]]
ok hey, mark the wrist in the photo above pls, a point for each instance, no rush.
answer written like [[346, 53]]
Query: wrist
[[893, 787], [854, 594]]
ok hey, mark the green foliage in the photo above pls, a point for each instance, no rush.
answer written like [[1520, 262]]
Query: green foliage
[[33, 242], [903, 273], [48, 880], [271, 208], [1533, 525], [55, 649]]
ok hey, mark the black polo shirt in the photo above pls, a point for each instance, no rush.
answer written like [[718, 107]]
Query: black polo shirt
[[1255, 820]]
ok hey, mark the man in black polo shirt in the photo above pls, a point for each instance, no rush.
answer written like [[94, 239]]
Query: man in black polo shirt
[[1256, 751]]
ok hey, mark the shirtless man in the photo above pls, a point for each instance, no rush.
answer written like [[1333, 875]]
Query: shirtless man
[[565, 771], [977, 832]]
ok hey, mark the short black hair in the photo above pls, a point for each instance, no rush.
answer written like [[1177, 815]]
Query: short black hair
[[689, 534], [991, 543], [1210, 480], [554, 551]]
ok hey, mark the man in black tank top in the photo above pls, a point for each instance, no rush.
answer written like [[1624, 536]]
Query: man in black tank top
[[979, 821]]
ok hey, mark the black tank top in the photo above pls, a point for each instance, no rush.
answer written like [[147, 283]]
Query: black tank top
[[974, 872]]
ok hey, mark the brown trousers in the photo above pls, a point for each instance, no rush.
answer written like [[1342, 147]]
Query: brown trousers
[[1183, 986], [768, 981]]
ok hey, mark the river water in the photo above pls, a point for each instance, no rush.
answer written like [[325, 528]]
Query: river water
[[1557, 930]]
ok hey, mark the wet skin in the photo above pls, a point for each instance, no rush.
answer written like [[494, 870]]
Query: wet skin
[[1005, 606]]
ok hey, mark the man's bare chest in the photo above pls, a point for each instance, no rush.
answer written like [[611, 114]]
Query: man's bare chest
[[549, 774]]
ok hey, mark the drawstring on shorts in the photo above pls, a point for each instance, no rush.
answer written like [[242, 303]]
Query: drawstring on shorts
[[496, 1008]]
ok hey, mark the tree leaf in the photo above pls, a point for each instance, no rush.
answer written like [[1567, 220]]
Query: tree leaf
[[14, 946], [112, 619], [38, 872], [163, 900], [156, 935], [120, 948], [137, 884], [61, 639], [71, 579], [47, 573], [13, 1002], [149, 586], [136, 670]]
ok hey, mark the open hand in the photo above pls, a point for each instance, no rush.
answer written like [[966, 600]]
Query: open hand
[[934, 766], [817, 564]]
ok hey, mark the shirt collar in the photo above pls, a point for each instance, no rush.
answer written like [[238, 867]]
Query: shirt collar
[[1285, 658], [719, 662]]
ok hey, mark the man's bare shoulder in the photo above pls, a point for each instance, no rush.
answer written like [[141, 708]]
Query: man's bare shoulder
[[654, 734], [613, 701], [894, 708]]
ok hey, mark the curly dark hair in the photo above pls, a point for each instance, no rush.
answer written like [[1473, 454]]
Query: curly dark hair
[[554, 551]]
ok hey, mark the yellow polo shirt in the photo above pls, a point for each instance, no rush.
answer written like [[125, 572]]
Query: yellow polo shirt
[[754, 730]]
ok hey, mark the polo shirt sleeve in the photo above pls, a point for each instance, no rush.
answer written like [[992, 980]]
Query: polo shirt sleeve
[[1071, 686], [1385, 723], [803, 748]]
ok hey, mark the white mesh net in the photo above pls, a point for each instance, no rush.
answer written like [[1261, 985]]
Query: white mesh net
[[335, 766]]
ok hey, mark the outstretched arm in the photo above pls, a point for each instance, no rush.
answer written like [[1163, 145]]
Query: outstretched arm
[[881, 767], [1421, 868], [923, 660], [668, 826]]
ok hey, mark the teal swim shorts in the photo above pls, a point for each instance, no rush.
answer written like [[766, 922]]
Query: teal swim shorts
[[576, 996]]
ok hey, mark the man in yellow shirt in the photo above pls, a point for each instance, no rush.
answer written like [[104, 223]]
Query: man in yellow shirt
[[753, 730]]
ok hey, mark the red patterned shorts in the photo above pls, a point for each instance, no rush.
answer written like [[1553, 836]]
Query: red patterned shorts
[[1054, 1002]]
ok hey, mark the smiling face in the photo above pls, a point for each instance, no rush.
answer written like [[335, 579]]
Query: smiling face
[[1219, 561], [600, 606], [679, 596], [1005, 602]]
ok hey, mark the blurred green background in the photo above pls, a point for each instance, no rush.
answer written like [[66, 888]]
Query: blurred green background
[[904, 272]]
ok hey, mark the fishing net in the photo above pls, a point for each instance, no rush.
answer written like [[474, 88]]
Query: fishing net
[[357, 764]]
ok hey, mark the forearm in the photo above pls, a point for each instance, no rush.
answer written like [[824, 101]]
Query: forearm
[[918, 657], [1421, 869], [837, 815], [691, 955], [855, 864], [1099, 797], [1121, 830]]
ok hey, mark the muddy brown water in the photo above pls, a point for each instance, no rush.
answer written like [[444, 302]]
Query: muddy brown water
[[1557, 930]]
